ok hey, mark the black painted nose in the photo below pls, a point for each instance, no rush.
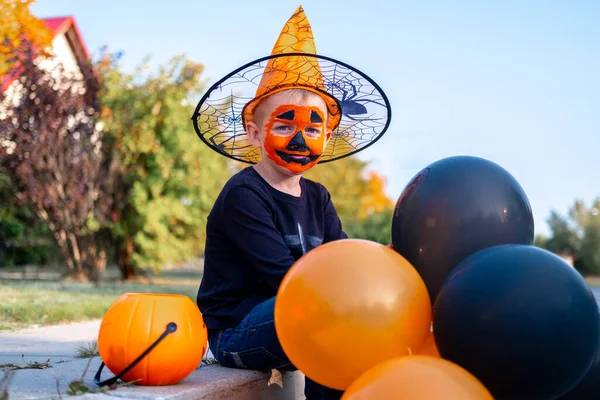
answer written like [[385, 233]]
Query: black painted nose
[[297, 143]]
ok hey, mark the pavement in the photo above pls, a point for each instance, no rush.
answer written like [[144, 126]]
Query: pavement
[[57, 345], [54, 343]]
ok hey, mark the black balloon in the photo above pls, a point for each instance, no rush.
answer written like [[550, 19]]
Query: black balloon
[[589, 387], [520, 319], [454, 208]]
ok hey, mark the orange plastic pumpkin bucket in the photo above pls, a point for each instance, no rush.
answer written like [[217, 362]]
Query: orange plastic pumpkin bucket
[[151, 339]]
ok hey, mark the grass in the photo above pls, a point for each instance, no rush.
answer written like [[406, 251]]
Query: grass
[[37, 303], [26, 303], [87, 350]]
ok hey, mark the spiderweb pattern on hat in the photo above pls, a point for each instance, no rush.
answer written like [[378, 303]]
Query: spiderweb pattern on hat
[[365, 109]]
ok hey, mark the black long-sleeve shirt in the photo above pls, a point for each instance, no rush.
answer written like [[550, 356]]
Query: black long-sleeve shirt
[[254, 234]]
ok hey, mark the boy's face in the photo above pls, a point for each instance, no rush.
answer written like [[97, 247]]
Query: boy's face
[[293, 133]]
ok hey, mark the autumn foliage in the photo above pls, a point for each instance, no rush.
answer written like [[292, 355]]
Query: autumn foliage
[[53, 153], [166, 178], [20, 30], [375, 200]]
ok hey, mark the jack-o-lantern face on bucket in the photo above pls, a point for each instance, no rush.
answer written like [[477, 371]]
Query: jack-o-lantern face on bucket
[[295, 136]]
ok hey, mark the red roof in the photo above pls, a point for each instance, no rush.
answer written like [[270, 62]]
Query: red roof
[[58, 26]]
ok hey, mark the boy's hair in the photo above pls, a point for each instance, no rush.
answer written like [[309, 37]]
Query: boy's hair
[[294, 95]]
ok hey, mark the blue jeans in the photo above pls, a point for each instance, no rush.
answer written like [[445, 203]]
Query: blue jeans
[[253, 344]]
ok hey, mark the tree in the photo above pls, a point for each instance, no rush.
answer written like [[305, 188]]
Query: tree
[[359, 198], [577, 235], [564, 238], [345, 180], [167, 179], [588, 221], [540, 241], [377, 227], [375, 200], [19, 29], [53, 153]]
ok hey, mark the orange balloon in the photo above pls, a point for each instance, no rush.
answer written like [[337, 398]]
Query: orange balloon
[[135, 321], [417, 377], [346, 306], [429, 347]]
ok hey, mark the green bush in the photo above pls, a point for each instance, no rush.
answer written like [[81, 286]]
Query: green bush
[[24, 239], [377, 227]]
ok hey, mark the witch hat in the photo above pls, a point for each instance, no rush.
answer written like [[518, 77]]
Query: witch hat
[[359, 111]]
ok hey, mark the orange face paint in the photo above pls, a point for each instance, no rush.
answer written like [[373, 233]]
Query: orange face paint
[[295, 136]]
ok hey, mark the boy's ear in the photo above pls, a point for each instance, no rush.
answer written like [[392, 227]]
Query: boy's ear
[[328, 133], [253, 133]]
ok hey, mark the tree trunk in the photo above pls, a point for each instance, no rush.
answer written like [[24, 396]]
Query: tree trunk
[[128, 271], [76, 254], [74, 272], [93, 257], [85, 256]]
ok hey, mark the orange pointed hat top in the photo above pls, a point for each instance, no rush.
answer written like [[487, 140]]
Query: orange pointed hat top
[[295, 71]]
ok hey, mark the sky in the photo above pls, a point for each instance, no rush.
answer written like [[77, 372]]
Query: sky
[[515, 82]]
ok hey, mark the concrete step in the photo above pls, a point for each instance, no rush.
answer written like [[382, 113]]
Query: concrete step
[[209, 382], [58, 344]]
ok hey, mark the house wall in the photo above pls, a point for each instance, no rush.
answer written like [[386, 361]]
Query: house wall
[[63, 52]]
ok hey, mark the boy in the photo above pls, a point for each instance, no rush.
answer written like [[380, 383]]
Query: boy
[[267, 216]]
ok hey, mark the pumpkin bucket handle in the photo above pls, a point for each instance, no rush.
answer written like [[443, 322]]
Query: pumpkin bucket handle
[[171, 327]]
